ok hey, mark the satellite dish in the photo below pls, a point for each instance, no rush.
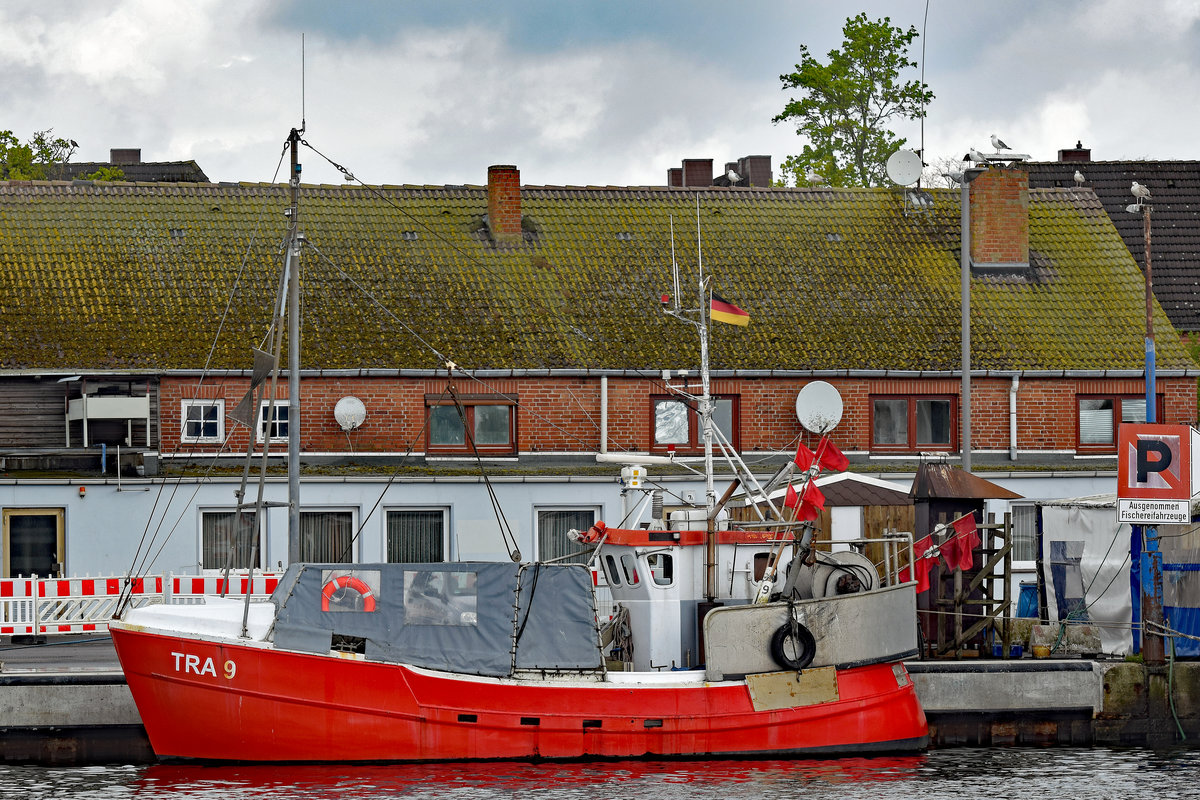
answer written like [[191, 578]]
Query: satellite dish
[[904, 167], [350, 413], [819, 407]]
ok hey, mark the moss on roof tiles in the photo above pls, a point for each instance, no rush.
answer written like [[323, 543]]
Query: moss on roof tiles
[[138, 277]]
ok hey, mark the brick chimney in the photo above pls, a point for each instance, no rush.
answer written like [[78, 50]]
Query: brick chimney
[[697, 172], [755, 168], [504, 204], [1000, 218], [125, 155], [1078, 153], [675, 176]]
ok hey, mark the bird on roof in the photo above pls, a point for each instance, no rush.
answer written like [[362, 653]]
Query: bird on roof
[[1079, 179], [733, 176], [1139, 191], [998, 143], [975, 157], [813, 177]]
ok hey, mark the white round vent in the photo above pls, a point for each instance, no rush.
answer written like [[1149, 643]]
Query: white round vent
[[350, 413]]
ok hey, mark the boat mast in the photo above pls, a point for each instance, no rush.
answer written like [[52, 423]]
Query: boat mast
[[295, 238], [705, 405]]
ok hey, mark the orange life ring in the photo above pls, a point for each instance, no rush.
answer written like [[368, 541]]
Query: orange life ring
[[347, 582]]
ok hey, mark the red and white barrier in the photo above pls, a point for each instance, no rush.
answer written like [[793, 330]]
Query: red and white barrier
[[32, 606]]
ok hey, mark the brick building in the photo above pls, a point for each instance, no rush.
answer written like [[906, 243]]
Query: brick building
[[546, 301]]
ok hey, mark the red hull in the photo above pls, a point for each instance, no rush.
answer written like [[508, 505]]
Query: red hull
[[206, 700]]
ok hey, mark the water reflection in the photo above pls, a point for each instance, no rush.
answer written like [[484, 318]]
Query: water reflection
[[631, 779], [1017, 773]]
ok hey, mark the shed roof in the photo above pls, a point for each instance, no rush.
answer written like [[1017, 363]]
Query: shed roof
[[139, 276]]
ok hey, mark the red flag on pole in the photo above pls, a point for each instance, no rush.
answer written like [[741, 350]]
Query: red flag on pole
[[811, 503], [804, 457], [830, 457], [791, 500]]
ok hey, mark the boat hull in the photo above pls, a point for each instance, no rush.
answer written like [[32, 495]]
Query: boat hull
[[219, 700]]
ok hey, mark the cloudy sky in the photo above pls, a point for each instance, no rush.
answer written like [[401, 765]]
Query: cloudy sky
[[572, 92]]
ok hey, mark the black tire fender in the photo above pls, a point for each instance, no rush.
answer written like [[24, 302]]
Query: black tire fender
[[804, 645]]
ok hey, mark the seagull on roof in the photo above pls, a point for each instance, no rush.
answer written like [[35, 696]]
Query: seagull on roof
[[998, 143], [975, 157], [733, 176], [1139, 191], [1079, 179], [812, 177]]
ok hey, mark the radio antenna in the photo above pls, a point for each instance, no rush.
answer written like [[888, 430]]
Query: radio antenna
[[302, 87]]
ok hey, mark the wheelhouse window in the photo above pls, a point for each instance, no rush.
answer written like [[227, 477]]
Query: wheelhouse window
[[327, 536], [490, 422], [227, 539], [553, 542], [203, 421], [676, 423], [909, 424], [416, 535], [273, 421], [1100, 416]]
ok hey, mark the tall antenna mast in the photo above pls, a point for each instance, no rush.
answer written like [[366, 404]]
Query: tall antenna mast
[[303, 90]]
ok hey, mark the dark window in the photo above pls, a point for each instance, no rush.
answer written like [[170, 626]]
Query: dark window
[[1100, 416], [676, 424], [907, 424], [1024, 532], [416, 536], [327, 536], [552, 534], [222, 532], [491, 422]]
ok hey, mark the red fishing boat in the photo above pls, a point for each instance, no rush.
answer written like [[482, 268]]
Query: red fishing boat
[[727, 638]]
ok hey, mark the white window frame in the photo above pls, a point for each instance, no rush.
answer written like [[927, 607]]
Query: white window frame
[[262, 539], [186, 405], [447, 554], [275, 405], [537, 528]]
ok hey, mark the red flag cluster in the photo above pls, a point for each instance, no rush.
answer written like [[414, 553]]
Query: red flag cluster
[[957, 551], [827, 456], [809, 501]]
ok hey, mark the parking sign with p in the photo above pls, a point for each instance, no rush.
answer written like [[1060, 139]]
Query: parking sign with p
[[1154, 473]]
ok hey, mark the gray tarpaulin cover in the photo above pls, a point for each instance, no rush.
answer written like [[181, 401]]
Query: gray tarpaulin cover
[[460, 617]]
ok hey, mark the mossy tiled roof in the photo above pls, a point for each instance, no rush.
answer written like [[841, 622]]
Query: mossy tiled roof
[[139, 276]]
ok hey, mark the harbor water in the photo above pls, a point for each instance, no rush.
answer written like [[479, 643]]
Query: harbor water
[[1058, 773]]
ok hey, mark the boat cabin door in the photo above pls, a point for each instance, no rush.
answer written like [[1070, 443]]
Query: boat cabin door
[[34, 542]]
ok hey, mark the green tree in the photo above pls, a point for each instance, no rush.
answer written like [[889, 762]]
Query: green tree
[[106, 174], [28, 161], [849, 102]]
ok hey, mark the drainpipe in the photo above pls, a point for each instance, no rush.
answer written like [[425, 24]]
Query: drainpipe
[[603, 413], [1012, 417]]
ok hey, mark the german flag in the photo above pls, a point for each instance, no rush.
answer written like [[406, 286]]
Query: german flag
[[724, 311]]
